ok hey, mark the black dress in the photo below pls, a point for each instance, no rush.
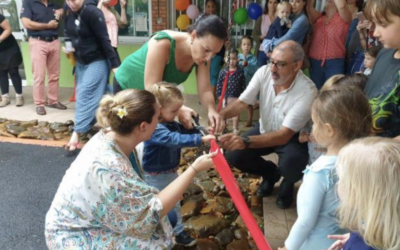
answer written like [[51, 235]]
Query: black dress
[[9, 50]]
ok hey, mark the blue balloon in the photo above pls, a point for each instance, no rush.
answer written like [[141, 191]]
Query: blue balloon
[[254, 10]]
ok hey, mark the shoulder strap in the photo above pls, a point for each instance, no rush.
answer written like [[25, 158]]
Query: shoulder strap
[[164, 35]]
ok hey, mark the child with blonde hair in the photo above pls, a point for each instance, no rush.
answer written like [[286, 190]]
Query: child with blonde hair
[[340, 114], [162, 152], [368, 187]]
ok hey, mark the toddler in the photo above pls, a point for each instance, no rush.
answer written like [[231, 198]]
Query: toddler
[[249, 64], [369, 59], [279, 27], [235, 86], [340, 114], [368, 187], [162, 153]]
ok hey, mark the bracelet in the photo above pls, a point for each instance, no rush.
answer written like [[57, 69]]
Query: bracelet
[[193, 169]]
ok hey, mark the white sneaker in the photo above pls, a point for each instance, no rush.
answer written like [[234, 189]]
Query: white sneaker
[[4, 101], [19, 101]]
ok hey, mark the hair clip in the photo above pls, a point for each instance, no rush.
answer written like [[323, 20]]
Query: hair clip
[[122, 112]]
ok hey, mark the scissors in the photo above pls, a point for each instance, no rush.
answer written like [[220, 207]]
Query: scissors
[[202, 130]]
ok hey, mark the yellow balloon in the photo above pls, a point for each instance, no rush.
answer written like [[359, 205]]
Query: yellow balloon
[[183, 22]]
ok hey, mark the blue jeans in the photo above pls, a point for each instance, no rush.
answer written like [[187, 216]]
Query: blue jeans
[[262, 59], [160, 181], [319, 74]]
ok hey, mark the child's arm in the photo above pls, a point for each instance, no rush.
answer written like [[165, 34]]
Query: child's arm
[[313, 188], [162, 136], [251, 64]]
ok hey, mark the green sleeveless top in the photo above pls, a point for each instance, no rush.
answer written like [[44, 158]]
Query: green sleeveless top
[[130, 75]]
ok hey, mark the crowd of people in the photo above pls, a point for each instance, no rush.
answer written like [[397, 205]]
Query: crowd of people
[[328, 89]]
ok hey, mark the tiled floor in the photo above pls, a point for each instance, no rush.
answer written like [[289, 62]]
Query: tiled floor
[[277, 222]]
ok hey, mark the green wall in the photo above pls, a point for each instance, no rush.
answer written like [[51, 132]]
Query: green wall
[[67, 79]]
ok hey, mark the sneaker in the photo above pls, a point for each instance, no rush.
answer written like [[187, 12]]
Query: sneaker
[[19, 101], [4, 101], [236, 131], [184, 239]]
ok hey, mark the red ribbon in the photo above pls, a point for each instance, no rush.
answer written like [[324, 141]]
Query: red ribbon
[[233, 189]]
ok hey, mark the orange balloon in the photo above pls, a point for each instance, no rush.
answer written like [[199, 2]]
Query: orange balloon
[[182, 5]]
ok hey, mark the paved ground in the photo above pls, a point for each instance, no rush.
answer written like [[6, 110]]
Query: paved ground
[[29, 178]]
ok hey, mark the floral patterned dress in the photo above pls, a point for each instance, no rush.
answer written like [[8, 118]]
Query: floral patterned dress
[[102, 203]]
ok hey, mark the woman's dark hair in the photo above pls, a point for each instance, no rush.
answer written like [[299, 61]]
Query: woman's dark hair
[[373, 51], [126, 110], [210, 25], [266, 6]]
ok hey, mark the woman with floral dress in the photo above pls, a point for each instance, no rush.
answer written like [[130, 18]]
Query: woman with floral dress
[[102, 201]]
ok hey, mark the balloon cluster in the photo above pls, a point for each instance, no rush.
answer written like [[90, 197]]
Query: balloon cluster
[[253, 11], [192, 12]]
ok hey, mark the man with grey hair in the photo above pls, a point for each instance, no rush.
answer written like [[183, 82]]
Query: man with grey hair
[[285, 96]]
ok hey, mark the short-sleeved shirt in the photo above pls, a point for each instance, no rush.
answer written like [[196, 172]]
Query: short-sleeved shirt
[[36, 11], [383, 92], [328, 40], [290, 108]]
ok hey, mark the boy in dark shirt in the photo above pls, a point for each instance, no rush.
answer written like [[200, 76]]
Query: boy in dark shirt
[[383, 90]]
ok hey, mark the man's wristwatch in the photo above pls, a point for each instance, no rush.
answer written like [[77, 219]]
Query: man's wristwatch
[[246, 141]]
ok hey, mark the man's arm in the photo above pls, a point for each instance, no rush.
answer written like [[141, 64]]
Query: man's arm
[[233, 109], [271, 139], [31, 25]]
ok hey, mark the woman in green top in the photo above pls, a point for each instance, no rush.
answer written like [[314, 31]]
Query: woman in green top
[[170, 56]]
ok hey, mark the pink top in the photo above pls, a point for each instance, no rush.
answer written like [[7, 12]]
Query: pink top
[[264, 27], [112, 26], [328, 40]]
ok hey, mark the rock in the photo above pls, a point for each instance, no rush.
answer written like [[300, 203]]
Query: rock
[[216, 190], [58, 127], [46, 136], [208, 195], [15, 130], [28, 135], [255, 201], [205, 244], [69, 122], [6, 134], [58, 136], [224, 237], [202, 176], [206, 225], [240, 223], [29, 124], [43, 124], [238, 244], [191, 190], [71, 128], [213, 173], [3, 120], [224, 194], [219, 183], [240, 234], [252, 245], [189, 156], [243, 184], [206, 185], [223, 206], [257, 210], [191, 208]]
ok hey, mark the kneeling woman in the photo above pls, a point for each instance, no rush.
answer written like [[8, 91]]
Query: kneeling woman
[[102, 202]]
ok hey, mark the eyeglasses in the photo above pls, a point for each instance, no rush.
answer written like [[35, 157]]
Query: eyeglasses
[[279, 65]]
